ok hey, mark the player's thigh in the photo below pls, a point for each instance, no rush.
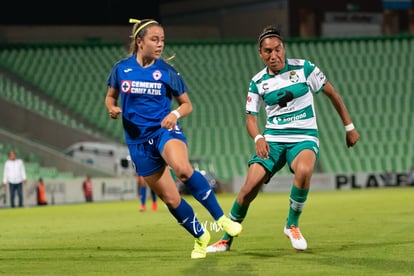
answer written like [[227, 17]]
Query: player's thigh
[[303, 156], [163, 184]]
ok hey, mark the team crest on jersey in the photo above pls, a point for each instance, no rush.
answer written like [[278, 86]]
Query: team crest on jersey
[[293, 77], [126, 86], [157, 75]]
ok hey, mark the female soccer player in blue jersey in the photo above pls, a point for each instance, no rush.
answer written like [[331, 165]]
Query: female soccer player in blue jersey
[[147, 84], [142, 194], [285, 87]]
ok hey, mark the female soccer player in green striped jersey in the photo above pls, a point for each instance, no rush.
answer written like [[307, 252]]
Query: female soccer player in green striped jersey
[[285, 87]]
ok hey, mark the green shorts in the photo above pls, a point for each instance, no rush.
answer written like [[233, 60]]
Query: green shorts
[[282, 153]]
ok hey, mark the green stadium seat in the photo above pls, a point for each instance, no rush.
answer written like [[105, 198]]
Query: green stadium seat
[[379, 101]]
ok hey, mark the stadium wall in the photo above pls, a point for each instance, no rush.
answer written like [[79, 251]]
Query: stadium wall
[[322, 182], [70, 33], [60, 192], [182, 20], [68, 191]]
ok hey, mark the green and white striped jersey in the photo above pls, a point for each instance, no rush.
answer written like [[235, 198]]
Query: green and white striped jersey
[[288, 101]]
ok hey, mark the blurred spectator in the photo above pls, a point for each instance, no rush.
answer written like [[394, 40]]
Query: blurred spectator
[[88, 189], [14, 174], [41, 193], [410, 177], [388, 179], [142, 193]]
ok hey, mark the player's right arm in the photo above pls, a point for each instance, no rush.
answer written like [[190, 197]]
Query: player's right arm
[[262, 147], [111, 101]]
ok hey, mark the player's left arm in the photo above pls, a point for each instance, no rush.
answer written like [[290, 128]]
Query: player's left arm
[[184, 109], [185, 106], [352, 135]]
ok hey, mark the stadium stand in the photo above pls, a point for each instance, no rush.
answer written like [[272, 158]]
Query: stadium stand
[[14, 92], [373, 75], [33, 166]]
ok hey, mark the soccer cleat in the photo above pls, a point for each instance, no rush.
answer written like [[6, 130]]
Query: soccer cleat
[[143, 208], [154, 206], [200, 246], [232, 228], [220, 246], [298, 241]]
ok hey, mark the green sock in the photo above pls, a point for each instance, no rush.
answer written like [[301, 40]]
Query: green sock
[[237, 213], [297, 201]]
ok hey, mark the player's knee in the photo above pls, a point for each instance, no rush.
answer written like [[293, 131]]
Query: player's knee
[[305, 170], [183, 172], [171, 199]]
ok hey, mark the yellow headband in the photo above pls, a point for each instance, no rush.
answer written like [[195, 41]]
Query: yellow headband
[[132, 20]]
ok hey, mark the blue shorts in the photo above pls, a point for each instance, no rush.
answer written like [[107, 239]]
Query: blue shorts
[[147, 157], [282, 153]]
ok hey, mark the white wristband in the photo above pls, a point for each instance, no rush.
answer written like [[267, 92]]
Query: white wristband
[[349, 127], [258, 136], [176, 113]]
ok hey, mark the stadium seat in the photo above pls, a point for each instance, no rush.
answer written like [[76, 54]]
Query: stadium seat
[[217, 75]]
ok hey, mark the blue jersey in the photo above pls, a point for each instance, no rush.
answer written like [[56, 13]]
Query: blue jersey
[[146, 95]]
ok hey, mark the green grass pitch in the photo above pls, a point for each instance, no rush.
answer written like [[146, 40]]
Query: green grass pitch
[[349, 232]]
